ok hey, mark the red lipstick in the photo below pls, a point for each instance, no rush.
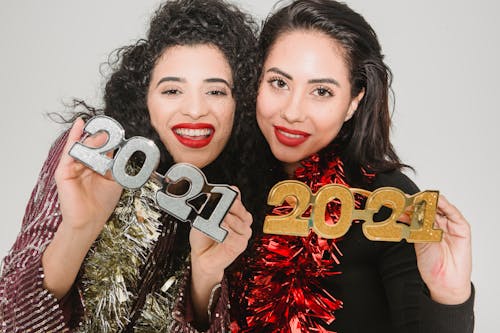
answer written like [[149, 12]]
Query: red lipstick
[[289, 137], [194, 135]]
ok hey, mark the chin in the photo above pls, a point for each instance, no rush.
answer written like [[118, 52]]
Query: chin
[[285, 157], [199, 164]]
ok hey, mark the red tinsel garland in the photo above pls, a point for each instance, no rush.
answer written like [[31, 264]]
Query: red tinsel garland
[[280, 285]]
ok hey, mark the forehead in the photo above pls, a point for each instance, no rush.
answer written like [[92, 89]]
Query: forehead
[[307, 51], [201, 58]]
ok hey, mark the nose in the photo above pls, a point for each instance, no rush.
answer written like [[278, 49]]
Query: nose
[[294, 111], [195, 106]]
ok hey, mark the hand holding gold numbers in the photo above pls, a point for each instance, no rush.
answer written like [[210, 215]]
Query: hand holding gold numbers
[[420, 208]]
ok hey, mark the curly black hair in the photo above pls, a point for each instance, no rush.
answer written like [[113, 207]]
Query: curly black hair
[[186, 22], [194, 22]]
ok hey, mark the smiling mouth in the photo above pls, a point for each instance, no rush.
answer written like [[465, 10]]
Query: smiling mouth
[[195, 135], [289, 137]]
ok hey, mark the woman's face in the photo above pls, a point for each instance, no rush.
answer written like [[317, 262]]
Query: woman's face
[[190, 102], [304, 95]]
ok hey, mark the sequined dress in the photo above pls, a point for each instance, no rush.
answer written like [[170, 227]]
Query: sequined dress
[[152, 296]]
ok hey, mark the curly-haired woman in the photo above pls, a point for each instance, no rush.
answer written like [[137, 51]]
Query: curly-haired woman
[[93, 257]]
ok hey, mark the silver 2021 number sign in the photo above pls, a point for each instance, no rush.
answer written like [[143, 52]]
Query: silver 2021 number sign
[[178, 205]]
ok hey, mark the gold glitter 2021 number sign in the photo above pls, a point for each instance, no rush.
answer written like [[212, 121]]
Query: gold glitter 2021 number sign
[[420, 208]]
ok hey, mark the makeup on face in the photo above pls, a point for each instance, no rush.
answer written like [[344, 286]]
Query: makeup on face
[[289, 137], [305, 94], [194, 135], [190, 102]]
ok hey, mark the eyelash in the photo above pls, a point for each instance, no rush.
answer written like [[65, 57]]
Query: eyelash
[[172, 91], [274, 81], [328, 91], [214, 92], [217, 92]]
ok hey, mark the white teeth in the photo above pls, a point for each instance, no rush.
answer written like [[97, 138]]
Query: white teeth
[[292, 136], [193, 132]]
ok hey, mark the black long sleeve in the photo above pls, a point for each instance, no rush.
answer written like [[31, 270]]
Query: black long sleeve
[[381, 287]]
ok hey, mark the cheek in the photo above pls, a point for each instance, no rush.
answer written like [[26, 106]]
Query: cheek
[[226, 120], [329, 125], [267, 106], [151, 105], [228, 124], [161, 113]]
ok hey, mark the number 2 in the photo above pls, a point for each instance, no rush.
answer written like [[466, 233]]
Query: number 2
[[95, 158], [292, 223]]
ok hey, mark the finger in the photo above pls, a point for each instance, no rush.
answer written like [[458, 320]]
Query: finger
[[237, 242], [406, 216], [237, 225], [441, 222], [74, 134], [238, 209], [96, 140], [236, 189], [446, 209], [67, 163]]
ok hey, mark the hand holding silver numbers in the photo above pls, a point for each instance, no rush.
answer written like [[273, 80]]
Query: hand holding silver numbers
[[178, 205]]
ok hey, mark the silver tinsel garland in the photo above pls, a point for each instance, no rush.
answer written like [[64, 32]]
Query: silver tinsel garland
[[111, 270]]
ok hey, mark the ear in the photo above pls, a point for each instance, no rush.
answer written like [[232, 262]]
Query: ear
[[353, 106]]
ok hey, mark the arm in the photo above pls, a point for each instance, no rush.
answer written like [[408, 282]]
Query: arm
[[446, 269], [446, 266], [409, 289], [67, 210], [86, 200], [209, 259], [24, 301]]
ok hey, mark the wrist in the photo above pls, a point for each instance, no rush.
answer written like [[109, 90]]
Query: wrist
[[83, 233], [451, 296], [205, 268], [205, 285]]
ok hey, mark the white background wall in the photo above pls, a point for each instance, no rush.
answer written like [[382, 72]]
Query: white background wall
[[444, 55]]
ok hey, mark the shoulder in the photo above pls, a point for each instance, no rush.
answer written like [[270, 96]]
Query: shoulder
[[394, 179]]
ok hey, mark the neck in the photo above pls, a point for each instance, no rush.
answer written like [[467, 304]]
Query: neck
[[290, 169]]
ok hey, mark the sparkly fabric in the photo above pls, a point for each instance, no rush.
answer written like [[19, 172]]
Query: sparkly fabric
[[25, 306], [220, 315]]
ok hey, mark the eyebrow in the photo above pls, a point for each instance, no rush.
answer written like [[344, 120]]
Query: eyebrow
[[288, 76], [179, 79], [170, 79], [280, 72], [218, 79], [325, 80]]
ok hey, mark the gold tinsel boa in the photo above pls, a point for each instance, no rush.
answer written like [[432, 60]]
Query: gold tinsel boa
[[111, 271]]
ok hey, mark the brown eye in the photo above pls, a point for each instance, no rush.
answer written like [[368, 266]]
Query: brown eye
[[217, 92], [323, 92], [278, 83], [171, 92]]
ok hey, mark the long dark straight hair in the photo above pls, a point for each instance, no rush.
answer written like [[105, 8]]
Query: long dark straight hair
[[363, 141]]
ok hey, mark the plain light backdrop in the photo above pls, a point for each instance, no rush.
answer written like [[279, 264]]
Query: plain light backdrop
[[444, 55]]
